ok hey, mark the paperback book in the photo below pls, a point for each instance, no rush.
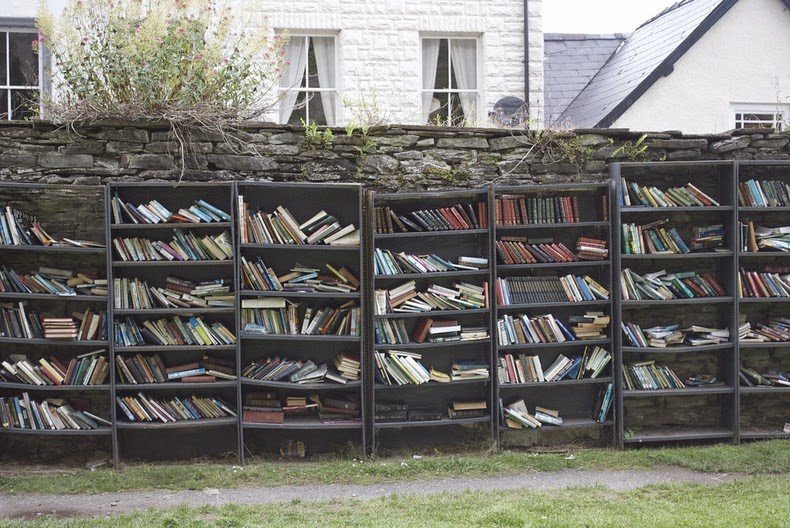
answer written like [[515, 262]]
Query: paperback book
[[184, 246], [458, 217], [52, 281], [154, 212], [172, 331], [51, 414], [279, 316], [145, 408], [90, 368], [549, 289]]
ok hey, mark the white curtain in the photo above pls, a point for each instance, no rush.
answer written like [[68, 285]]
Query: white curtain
[[463, 53], [295, 56], [324, 49], [430, 61]]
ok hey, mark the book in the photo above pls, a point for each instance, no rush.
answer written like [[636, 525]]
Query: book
[[154, 212], [772, 281], [184, 246], [763, 193], [525, 368], [150, 368], [18, 321], [278, 316], [52, 281], [134, 293], [525, 210], [521, 250], [256, 275], [651, 196], [661, 285], [774, 330], [527, 329], [346, 367], [549, 289], [672, 335], [145, 408], [659, 237], [22, 412], [451, 218], [172, 331], [603, 403], [646, 375], [388, 262], [405, 298], [90, 368], [21, 229], [754, 238]]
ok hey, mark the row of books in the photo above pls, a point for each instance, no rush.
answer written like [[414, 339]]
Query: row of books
[[184, 246], [397, 367], [346, 368], [775, 330], [267, 407], [669, 335], [451, 218], [172, 331], [90, 368], [149, 368], [569, 288], [516, 415], [144, 408], [405, 298], [257, 276], [758, 238], [51, 281], [660, 285], [280, 316], [399, 411], [52, 414], [772, 378], [652, 196], [525, 368], [388, 262], [764, 284], [519, 250], [17, 321], [177, 293], [765, 193], [646, 375], [154, 213], [525, 329], [20, 229], [280, 227], [658, 237], [443, 330], [522, 210]]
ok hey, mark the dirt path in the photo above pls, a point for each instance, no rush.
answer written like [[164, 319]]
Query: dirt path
[[29, 506]]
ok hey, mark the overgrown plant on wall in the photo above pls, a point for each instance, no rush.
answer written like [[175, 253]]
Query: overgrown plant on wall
[[190, 63]]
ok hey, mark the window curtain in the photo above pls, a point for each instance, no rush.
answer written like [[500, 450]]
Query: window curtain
[[324, 49], [295, 56], [430, 62], [463, 53]]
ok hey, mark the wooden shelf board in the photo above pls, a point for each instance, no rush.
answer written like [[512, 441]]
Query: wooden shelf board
[[686, 209], [677, 302], [577, 225], [667, 434], [53, 249], [554, 384], [175, 386], [765, 390], [174, 348], [53, 342], [679, 349], [527, 306], [50, 297], [298, 295], [674, 256], [54, 388], [432, 423], [446, 344], [433, 275], [763, 300], [170, 263], [550, 265], [763, 434], [688, 391], [183, 424], [767, 344], [567, 423], [329, 385], [101, 431], [299, 247], [578, 342], [174, 311], [303, 422], [169, 225], [434, 313], [431, 384], [428, 234]]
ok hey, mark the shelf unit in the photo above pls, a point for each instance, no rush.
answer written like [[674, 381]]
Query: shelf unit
[[206, 436], [762, 411], [38, 200], [574, 399], [303, 200], [433, 396], [658, 422]]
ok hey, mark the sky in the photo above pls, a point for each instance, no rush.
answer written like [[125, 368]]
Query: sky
[[598, 16]]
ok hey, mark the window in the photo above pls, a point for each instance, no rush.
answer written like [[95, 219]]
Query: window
[[449, 80], [760, 116], [308, 87], [19, 73]]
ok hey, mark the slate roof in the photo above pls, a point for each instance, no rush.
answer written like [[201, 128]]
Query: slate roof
[[570, 61]]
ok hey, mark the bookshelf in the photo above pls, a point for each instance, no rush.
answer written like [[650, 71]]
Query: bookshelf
[[427, 418], [585, 209], [303, 201], [648, 416], [762, 411], [187, 438], [40, 201]]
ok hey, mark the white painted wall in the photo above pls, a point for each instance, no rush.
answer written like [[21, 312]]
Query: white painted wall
[[28, 8], [744, 58]]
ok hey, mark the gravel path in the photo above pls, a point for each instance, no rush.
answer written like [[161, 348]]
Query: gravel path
[[29, 506]]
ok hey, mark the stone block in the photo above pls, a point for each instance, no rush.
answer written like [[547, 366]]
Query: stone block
[[65, 161], [242, 163], [684, 144], [147, 161], [463, 143], [728, 145]]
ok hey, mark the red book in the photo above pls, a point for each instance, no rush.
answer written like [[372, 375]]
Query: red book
[[198, 379], [263, 417], [421, 329]]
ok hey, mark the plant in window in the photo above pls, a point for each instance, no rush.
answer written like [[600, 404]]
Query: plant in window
[[189, 63]]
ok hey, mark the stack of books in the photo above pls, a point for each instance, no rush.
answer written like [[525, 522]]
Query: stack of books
[[591, 325], [756, 238], [706, 238], [452, 218], [752, 378], [667, 336], [591, 249], [768, 283], [688, 196], [262, 407], [177, 293], [143, 408], [339, 409], [20, 412], [603, 403], [444, 330], [520, 210], [348, 365], [394, 367], [20, 229], [406, 299], [660, 285], [257, 276], [391, 411], [569, 288], [90, 368], [524, 329], [775, 330], [59, 328], [18, 321], [519, 250], [51, 281], [391, 332], [183, 247], [459, 410], [154, 213], [388, 262], [469, 369], [174, 331], [646, 375], [528, 369], [652, 238], [280, 227], [302, 372], [517, 416], [278, 316], [765, 193], [151, 369]]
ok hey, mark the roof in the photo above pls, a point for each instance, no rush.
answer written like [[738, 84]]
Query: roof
[[570, 61], [645, 56]]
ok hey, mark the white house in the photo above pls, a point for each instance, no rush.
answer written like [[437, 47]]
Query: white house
[[700, 66], [422, 61]]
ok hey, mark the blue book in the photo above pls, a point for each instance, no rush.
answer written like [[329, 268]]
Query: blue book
[[220, 213]]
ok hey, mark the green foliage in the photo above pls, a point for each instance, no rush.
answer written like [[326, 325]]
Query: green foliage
[[317, 137], [632, 151]]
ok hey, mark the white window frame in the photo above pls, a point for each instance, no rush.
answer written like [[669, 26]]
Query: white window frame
[[307, 89], [781, 113], [7, 27], [478, 69]]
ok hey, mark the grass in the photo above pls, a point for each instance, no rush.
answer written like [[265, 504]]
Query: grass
[[753, 458], [761, 501]]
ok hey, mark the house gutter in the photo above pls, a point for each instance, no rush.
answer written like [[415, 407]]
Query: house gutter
[[526, 54]]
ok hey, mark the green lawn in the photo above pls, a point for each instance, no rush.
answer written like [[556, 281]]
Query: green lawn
[[761, 501], [752, 458]]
